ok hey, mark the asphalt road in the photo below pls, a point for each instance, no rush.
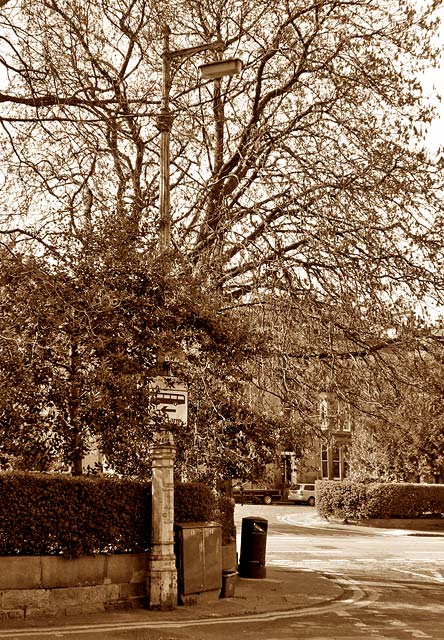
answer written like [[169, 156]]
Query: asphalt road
[[295, 540], [395, 584]]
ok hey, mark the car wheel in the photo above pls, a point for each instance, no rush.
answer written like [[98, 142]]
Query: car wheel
[[311, 501], [267, 500]]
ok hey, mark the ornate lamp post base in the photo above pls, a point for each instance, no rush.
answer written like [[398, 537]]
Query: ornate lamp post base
[[162, 574], [162, 583]]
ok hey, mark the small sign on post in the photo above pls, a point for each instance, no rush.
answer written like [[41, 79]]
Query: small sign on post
[[170, 398]]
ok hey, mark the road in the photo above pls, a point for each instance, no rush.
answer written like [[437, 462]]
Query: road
[[394, 587], [400, 578], [352, 553]]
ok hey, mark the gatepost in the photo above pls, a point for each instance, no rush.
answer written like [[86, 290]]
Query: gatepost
[[162, 575]]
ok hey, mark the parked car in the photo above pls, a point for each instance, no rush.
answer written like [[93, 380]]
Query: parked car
[[246, 492], [302, 493]]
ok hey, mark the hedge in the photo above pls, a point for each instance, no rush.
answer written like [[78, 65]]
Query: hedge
[[49, 514], [362, 501], [225, 515], [194, 502], [46, 514]]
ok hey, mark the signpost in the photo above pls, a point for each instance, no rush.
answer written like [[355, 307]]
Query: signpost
[[170, 397]]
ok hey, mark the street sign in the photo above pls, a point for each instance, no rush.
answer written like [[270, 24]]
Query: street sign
[[170, 397]]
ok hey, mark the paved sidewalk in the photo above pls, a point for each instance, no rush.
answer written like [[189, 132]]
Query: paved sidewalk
[[280, 591], [386, 526]]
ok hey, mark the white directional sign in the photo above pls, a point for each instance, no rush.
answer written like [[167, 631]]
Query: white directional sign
[[170, 397]]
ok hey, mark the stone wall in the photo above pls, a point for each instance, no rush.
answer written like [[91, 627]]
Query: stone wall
[[53, 585]]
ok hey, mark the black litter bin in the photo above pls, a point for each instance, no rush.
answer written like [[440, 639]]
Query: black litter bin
[[253, 544]]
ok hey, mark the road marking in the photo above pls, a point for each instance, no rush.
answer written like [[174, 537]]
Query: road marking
[[395, 585], [436, 577]]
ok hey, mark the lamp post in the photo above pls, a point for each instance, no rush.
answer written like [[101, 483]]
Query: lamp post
[[162, 573], [209, 71]]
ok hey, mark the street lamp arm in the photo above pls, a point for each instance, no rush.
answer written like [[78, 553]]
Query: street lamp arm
[[213, 71], [217, 45]]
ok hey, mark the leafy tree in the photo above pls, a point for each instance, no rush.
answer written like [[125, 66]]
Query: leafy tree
[[400, 432], [230, 432], [80, 342], [301, 189]]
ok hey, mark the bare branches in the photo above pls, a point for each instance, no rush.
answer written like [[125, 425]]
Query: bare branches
[[297, 180], [60, 101]]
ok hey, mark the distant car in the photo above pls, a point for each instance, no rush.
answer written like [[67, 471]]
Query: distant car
[[243, 494], [302, 493]]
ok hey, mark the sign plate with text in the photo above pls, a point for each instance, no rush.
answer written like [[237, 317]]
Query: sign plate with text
[[170, 398]]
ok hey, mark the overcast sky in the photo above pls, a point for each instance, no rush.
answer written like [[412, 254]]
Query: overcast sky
[[434, 82]]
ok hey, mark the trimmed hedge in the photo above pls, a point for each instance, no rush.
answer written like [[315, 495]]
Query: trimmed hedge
[[194, 502], [225, 515], [46, 514], [49, 514], [361, 501]]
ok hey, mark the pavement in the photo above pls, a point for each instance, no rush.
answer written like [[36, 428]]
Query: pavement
[[277, 595], [383, 526]]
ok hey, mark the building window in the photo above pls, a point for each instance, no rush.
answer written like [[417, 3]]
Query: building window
[[336, 460], [324, 460], [323, 414], [336, 463], [344, 411]]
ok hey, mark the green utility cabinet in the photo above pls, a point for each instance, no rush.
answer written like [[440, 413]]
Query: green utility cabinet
[[198, 547]]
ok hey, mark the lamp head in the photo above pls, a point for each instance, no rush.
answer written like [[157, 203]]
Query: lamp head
[[221, 68]]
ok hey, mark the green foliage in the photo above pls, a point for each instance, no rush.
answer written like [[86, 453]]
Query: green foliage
[[231, 433], [53, 514], [400, 436], [78, 346], [363, 501], [49, 514], [342, 233], [194, 502], [225, 515]]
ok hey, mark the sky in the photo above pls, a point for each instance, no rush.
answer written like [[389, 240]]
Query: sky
[[433, 82]]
